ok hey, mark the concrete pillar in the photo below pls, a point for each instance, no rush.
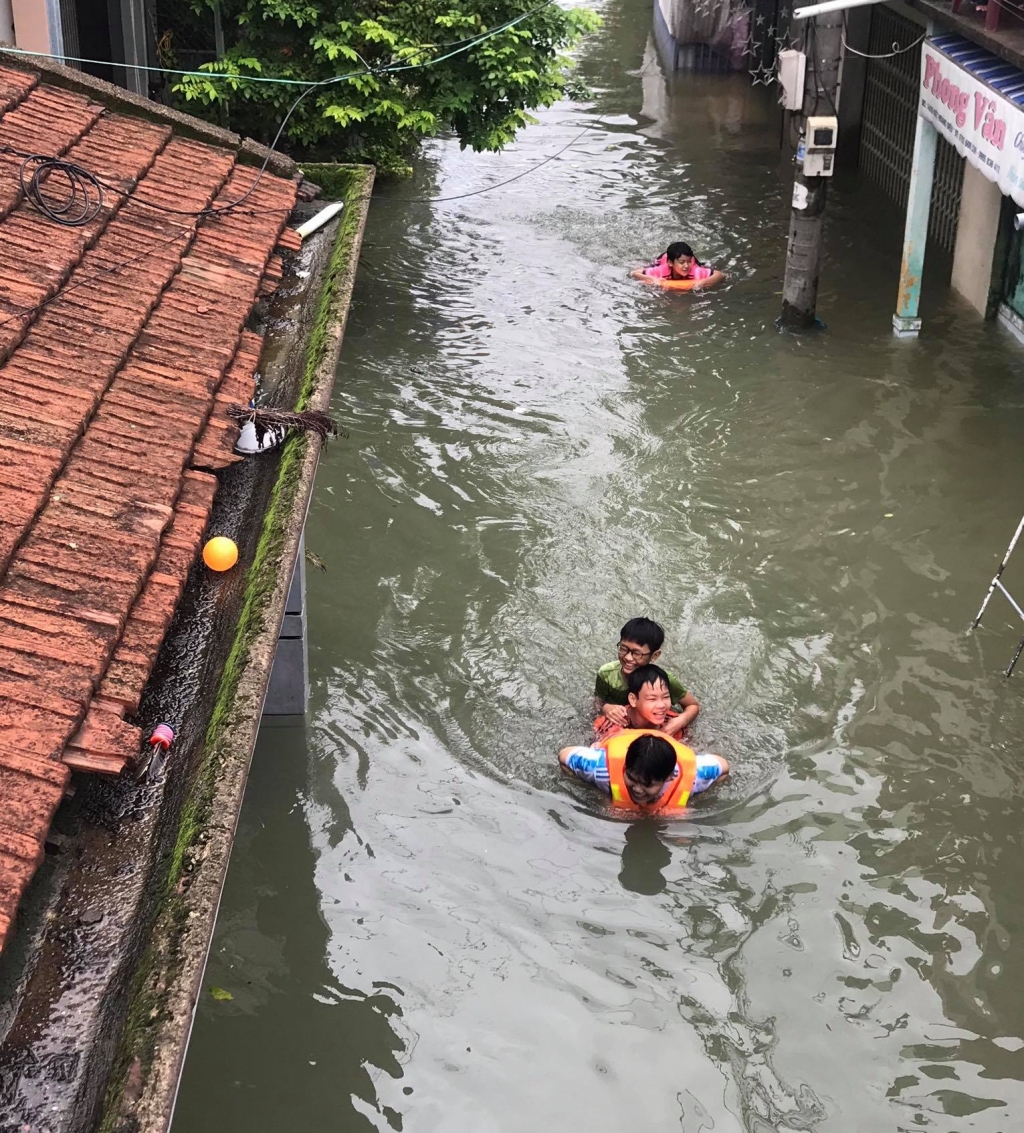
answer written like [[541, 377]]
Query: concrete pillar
[[807, 218], [665, 42], [7, 23], [288, 691], [803, 251], [905, 323], [977, 231], [37, 26], [133, 27]]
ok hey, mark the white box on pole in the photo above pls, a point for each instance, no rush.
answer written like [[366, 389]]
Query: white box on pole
[[821, 136], [792, 68]]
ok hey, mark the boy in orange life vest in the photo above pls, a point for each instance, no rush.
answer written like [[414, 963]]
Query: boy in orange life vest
[[644, 769]]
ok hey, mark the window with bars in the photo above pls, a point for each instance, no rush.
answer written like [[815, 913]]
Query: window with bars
[[888, 124]]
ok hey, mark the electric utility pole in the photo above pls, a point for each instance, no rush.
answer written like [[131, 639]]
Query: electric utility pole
[[823, 47]]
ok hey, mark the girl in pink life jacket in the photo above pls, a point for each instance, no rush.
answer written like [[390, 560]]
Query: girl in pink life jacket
[[679, 269]]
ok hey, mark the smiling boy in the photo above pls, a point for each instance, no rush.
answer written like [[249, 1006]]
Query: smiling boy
[[639, 765], [640, 642]]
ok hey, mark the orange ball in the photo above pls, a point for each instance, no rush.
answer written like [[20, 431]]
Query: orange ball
[[220, 553]]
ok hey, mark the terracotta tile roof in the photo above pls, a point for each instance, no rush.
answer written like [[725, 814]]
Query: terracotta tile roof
[[118, 339]]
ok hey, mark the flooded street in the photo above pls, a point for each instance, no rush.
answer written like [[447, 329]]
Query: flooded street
[[424, 927]]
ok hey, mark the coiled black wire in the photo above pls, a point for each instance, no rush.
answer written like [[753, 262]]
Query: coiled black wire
[[61, 190]]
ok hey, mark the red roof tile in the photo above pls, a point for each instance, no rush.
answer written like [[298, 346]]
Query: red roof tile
[[118, 339]]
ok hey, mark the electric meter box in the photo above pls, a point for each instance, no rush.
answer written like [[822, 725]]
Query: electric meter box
[[820, 138], [792, 68]]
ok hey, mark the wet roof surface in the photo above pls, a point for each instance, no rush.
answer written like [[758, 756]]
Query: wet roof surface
[[121, 343]]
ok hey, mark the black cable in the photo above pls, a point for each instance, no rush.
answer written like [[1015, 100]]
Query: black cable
[[78, 177], [497, 184], [29, 312], [78, 209], [75, 207], [820, 87], [388, 67]]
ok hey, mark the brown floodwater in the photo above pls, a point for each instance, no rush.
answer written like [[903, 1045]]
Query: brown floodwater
[[424, 927]]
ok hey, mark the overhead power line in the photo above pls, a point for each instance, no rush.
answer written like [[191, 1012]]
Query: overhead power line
[[81, 179], [238, 76], [79, 207]]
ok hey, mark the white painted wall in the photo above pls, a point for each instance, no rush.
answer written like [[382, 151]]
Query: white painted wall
[[978, 227]]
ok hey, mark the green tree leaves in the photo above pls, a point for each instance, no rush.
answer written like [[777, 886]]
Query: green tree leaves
[[419, 74]]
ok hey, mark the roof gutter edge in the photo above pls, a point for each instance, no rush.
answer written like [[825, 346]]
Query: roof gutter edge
[[181, 938]]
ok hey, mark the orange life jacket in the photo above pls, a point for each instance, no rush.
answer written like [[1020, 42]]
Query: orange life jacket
[[676, 794]]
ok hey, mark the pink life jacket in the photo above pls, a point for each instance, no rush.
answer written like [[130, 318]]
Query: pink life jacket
[[662, 269]]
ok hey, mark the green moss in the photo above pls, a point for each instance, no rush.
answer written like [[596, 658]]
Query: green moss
[[337, 181], [261, 581], [351, 183]]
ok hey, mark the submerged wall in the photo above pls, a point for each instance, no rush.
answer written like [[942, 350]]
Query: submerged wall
[[141, 1097], [702, 36], [976, 237]]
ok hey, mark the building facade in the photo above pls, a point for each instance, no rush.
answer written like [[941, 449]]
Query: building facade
[[933, 104], [931, 110], [970, 100]]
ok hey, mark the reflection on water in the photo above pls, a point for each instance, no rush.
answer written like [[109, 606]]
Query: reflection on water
[[424, 926], [644, 857], [288, 1047]]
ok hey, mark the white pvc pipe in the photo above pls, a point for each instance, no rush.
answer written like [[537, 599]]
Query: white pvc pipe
[[831, 6], [321, 218]]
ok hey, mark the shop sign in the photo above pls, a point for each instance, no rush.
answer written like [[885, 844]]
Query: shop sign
[[985, 127]]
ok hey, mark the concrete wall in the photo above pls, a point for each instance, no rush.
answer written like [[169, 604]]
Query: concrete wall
[[978, 228], [37, 25], [6, 22]]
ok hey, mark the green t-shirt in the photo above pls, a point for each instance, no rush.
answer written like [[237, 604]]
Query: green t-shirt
[[610, 687]]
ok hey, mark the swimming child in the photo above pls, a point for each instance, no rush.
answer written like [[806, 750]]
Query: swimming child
[[640, 642], [677, 264], [645, 770]]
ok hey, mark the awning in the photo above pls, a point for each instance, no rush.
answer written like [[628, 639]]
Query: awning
[[976, 101], [1001, 76]]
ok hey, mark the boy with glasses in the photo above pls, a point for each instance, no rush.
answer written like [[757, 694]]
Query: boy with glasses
[[640, 642]]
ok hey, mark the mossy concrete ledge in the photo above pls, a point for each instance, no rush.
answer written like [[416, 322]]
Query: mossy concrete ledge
[[141, 1093]]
